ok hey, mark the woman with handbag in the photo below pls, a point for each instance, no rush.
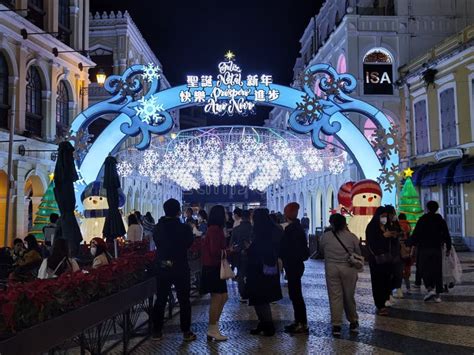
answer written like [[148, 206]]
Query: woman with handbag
[[263, 277], [213, 247], [341, 248], [384, 252]]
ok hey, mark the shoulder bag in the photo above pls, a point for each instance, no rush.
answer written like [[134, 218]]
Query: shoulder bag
[[355, 260], [226, 271]]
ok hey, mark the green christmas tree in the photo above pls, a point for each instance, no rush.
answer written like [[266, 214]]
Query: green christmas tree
[[410, 202], [47, 206]]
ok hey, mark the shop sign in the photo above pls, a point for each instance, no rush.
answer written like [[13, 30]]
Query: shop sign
[[449, 154]]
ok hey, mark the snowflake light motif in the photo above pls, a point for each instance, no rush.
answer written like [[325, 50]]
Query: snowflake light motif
[[124, 168], [391, 178], [151, 72], [149, 110], [389, 142], [311, 109], [312, 158], [336, 166]]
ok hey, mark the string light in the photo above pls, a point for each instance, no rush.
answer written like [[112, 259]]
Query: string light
[[249, 156]]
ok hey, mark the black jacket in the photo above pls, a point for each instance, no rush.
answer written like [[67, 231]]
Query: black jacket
[[172, 239], [294, 247], [241, 234], [431, 231], [378, 244]]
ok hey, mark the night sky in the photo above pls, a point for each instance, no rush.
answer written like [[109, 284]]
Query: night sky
[[191, 37]]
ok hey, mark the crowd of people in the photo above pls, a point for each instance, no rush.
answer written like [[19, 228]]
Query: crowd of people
[[261, 246]]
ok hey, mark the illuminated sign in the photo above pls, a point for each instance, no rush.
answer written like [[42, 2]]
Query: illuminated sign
[[378, 79], [229, 94]]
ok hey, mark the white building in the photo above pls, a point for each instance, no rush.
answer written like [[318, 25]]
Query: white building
[[370, 39], [39, 91], [115, 44]]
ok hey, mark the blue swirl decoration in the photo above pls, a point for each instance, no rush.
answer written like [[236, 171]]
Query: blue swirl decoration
[[313, 113]]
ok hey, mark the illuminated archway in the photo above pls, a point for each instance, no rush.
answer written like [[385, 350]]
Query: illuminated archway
[[319, 116]]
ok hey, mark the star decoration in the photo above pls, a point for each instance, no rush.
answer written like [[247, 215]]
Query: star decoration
[[51, 177], [408, 172], [229, 55]]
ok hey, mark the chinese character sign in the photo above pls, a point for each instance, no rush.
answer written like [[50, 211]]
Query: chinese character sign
[[227, 93]]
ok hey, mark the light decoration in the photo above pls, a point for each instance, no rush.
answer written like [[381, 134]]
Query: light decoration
[[336, 166], [229, 94], [151, 72], [124, 168], [150, 111], [248, 156]]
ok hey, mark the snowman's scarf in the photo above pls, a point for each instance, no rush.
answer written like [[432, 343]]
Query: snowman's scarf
[[363, 211], [96, 213]]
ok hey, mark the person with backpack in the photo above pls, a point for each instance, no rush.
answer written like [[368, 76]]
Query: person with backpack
[[293, 252]]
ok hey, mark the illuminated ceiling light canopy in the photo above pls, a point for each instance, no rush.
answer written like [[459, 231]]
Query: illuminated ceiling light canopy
[[256, 157]]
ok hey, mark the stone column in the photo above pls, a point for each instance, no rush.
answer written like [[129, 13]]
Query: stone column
[[20, 93], [49, 114], [19, 198]]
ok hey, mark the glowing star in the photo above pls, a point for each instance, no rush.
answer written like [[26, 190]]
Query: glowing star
[[51, 177], [149, 110], [229, 55], [408, 172], [151, 72]]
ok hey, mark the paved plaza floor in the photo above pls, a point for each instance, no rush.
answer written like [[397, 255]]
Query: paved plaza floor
[[413, 326]]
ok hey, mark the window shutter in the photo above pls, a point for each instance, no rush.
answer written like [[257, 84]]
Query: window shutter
[[421, 127], [448, 118]]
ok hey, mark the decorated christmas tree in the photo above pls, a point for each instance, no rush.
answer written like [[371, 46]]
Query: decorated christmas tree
[[47, 206], [410, 200]]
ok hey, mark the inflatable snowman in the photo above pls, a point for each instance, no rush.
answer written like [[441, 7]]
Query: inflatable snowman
[[366, 196], [94, 199], [344, 199]]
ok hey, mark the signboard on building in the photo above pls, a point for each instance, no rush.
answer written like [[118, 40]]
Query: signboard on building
[[449, 154], [378, 79]]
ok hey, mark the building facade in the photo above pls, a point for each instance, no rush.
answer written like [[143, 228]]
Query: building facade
[[40, 84], [437, 91], [115, 43], [370, 39]]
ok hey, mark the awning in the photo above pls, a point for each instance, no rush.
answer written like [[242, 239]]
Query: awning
[[436, 174], [464, 171], [418, 174]]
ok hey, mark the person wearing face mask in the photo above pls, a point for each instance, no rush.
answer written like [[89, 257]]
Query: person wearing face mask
[[383, 249], [99, 252]]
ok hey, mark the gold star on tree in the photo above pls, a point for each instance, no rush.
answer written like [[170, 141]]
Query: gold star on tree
[[408, 172], [51, 177], [229, 55]]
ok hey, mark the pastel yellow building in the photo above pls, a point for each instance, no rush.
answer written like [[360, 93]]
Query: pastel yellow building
[[437, 98]]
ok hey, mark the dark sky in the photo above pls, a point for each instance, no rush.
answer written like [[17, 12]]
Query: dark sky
[[191, 37]]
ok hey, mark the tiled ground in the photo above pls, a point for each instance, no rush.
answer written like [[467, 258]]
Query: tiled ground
[[413, 326]]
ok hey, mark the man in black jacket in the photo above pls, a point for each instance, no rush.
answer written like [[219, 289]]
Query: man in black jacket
[[172, 239], [241, 239], [293, 252], [430, 234]]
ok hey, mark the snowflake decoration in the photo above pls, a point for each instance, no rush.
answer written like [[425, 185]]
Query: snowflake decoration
[[336, 166], [80, 140], [124, 168], [391, 178], [151, 72], [311, 108], [150, 111], [387, 142], [313, 160]]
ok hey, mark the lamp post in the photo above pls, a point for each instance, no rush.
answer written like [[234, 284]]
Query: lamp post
[[100, 78]]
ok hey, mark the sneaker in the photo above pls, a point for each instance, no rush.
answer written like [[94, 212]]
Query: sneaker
[[189, 336], [243, 300], [299, 329], [416, 287], [437, 299], [156, 335], [398, 293], [354, 327], [336, 330], [430, 296]]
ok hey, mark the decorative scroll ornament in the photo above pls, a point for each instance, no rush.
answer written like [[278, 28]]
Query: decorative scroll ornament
[[80, 141], [313, 114]]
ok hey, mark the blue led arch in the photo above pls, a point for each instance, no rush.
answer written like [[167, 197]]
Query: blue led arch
[[311, 114]]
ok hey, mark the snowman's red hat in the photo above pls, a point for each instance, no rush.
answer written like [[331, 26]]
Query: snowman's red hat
[[366, 186]]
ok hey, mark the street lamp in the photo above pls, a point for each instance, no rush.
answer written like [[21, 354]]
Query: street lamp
[[100, 78]]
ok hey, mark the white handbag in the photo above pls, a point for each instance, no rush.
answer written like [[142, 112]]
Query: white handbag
[[226, 270]]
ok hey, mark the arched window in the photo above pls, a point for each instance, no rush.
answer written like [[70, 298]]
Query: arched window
[[342, 64], [62, 109], [378, 72], [4, 106], [34, 112]]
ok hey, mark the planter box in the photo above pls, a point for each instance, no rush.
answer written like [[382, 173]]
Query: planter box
[[54, 332]]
